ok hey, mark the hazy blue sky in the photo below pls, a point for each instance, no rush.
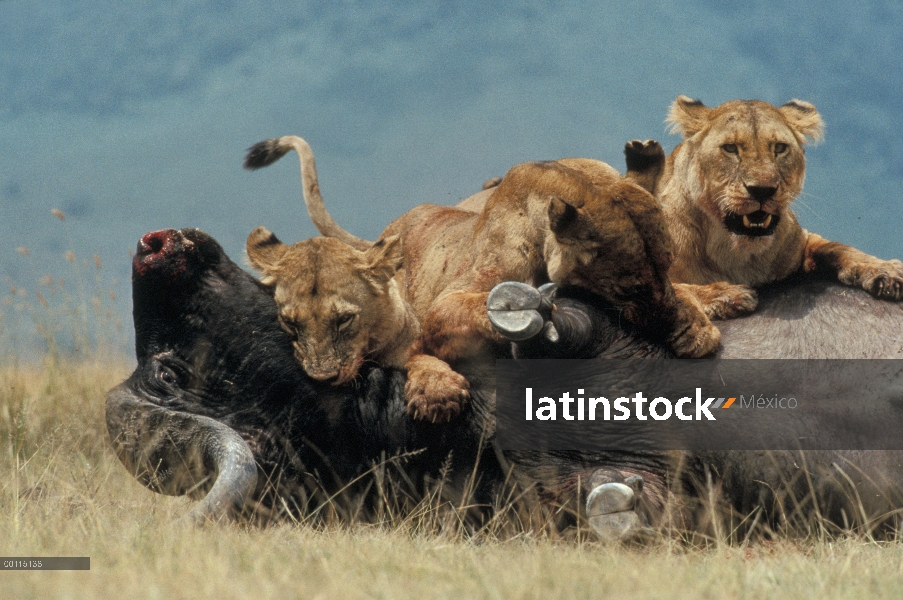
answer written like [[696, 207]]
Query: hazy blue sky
[[134, 116]]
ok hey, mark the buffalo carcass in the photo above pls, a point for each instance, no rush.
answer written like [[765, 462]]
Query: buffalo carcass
[[218, 407]]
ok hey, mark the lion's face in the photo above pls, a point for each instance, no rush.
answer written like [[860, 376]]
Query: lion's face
[[340, 305], [744, 160]]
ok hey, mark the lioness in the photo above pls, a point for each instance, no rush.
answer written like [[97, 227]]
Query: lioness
[[726, 192], [573, 222], [342, 306]]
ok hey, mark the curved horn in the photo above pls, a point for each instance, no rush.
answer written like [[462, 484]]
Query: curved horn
[[267, 152], [177, 453]]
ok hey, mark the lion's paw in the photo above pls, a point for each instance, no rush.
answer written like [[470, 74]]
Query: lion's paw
[[641, 156], [881, 278], [693, 335], [436, 395], [723, 300], [695, 339]]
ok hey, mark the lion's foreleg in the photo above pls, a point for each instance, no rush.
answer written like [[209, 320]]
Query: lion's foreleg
[[881, 278], [722, 300], [455, 327], [692, 333]]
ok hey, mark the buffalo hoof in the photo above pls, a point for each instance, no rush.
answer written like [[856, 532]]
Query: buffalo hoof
[[519, 311], [610, 511]]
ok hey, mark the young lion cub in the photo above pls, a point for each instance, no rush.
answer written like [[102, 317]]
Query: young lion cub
[[726, 192], [573, 222]]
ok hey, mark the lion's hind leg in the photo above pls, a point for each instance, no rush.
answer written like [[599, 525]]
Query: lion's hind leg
[[645, 163]]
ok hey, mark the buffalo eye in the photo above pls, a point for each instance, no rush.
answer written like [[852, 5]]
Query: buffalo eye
[[730, 148], [344, 321], [165, 375], [780, 148]]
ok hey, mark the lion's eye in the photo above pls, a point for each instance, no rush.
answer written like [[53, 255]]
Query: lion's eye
[[343, 321], [780, 148], [730, 148], [289, 326]]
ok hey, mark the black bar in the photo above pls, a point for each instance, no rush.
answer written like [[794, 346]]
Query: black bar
[[559, 405], [43, 563]]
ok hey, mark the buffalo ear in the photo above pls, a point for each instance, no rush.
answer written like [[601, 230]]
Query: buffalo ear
[[688, 116], [264, 251], [803, 117], [384, 258]]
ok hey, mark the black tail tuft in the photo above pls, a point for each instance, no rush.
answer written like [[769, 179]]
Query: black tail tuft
[[263, 154]]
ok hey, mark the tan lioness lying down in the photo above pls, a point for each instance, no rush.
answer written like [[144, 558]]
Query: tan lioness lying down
[[726, 192], [573, 221]]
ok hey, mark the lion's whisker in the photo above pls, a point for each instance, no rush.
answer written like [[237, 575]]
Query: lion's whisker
[[804, 203]]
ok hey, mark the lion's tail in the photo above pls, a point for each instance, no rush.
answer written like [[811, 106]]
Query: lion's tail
[[265, 153]]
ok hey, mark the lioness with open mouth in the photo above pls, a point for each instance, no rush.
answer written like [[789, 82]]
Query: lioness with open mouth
[[726, 192]]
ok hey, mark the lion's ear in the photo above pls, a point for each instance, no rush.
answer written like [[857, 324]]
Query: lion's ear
[[561, 215], [385, 257], [264, 250], [803, 117], [565, 221], [687, 116]]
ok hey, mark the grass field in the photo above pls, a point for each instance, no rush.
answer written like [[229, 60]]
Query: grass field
[[64, 493]]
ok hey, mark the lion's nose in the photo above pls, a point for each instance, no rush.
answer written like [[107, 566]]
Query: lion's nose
[[320, 372], [761, 193]]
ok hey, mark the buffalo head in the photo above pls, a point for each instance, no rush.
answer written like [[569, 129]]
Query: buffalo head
[[217, 405]]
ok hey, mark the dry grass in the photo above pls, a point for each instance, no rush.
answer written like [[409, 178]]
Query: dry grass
[[82, 502]]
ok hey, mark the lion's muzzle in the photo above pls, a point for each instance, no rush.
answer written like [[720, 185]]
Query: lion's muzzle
[[754, 224]]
